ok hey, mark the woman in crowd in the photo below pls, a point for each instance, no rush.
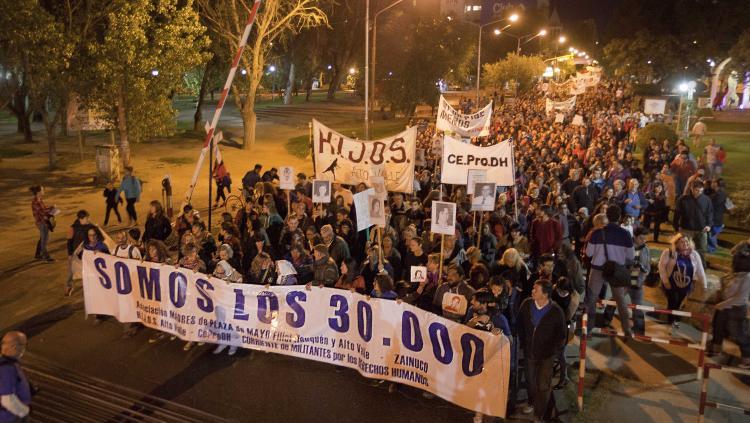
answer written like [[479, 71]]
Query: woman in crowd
[[158, 225], [42, 219], [680, 270], [350, 278]]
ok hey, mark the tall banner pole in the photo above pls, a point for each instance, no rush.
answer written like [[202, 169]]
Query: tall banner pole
[[440, 269], [479, 228], [312, 147], [210, 184], [515, 184], [208, 143]]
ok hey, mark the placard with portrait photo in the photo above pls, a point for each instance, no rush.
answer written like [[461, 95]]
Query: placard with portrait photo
[[443, 218], [286, 177], [321, 191], [484, 196]]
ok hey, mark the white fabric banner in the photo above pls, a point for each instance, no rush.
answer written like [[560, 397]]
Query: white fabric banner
[[579, 86], [349, 161], [654, 106], [381, 339], [459, 157], [473, 125], [563, 106]]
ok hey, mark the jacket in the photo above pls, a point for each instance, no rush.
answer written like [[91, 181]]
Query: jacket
[[339, 250], [157, 228], [544, 340], [131, 186], [325, 272], [692, 213], [667, 262], [736, 293]]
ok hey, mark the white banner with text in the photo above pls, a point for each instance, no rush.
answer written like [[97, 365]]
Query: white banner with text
[[472, 125], [460, 157], [381, 339], [348, 161]]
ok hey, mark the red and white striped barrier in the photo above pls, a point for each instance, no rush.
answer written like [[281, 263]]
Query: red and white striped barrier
[[582, 358], [704, 402], [700, 347], [209, 141]]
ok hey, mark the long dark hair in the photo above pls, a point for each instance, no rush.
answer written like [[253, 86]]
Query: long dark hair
[[351, 270], [35, 189], [159, 208]]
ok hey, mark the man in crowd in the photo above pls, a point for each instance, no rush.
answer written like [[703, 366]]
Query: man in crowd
[[546, 233], [15, 391], [610, 243], [694, 215], [456, 308], [250, 179], [325, 270], [542, 332], [337, 247]]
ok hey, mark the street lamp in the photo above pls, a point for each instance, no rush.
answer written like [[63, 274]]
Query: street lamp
[[523, 39], [375, 48], [562, 39], [512, 18], [352, 71]]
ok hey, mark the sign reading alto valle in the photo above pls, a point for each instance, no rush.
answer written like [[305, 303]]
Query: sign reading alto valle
[[473, 125], [379, 338], [349, 161], [460, 157]]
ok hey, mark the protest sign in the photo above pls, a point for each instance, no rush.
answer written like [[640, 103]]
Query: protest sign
[[286, 177], [563, 106], [443, 219], [559, 117], [378, 184], [484, 196], [362, 209], [472, 125], [459, 158], [381, 339], [473, 176], [418, 273], [376, 207], [321, 191], [654, 106], [349, 161], [577, 120]]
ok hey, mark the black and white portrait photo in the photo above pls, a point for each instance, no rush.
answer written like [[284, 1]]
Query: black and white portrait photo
[[321, 191], [443, 218], [484, 197]]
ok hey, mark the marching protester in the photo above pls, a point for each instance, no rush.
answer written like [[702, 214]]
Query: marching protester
[[15, 390], [112, 201], [131, 187], [680, 270], [42, 219], [77, 235]]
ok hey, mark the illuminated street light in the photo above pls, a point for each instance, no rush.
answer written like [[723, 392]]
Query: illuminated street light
[[562, 39], [330, 67], [513, 17], [243, 71], [272, 68], [352, 71], [542, 33], [497, 31], [649, 62], [155, 72]]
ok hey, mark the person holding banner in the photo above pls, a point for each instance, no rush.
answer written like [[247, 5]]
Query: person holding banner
[[542, 333], [325, 271]]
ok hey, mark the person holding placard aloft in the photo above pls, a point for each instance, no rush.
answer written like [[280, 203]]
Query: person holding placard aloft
[[453, 297]]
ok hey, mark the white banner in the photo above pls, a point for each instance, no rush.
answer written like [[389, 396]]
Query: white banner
[[349, 161], [381, 339], [563, 106], [654, 106], [473, 125], [578, 87], [459, 157]]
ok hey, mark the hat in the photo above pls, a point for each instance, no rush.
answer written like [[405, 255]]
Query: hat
[[227, 249]]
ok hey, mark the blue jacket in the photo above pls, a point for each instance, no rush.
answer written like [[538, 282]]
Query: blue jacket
[[131, 186]]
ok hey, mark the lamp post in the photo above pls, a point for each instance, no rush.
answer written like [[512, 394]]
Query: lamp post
[[367, 69], [512, 18], [523, 39], [375, 44]]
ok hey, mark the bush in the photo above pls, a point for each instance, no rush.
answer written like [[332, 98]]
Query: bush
[[659, 131]]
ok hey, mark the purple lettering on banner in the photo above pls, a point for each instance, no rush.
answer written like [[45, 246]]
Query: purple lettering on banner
[[239, 305], [293, 299], [149, 283], [177, 289], [100, 264], [122, 278], [266, 309], [205, 303]]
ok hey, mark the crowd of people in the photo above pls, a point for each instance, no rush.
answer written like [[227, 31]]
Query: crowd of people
[[577, 222]]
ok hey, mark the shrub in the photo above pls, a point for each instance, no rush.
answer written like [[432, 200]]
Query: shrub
[[659, 131]]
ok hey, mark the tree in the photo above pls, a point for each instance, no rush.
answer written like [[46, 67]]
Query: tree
[[420, 52], [146, 49], [523, 70], [647, 56], [343, 40], [275, 20], [740, 53]]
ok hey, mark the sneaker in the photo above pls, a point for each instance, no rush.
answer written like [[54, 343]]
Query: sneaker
[[232, 350], [188, 346], [158, 337], [220, 348], [527, 409]]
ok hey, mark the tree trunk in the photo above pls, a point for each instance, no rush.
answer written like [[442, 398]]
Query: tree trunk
[[289, 85], [249, 120], [122, 129], [52, 145], [198, 116], [335, 82], [23, 115]]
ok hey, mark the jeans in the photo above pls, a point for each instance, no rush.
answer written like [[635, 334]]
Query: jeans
[[732, 322], [675, 297], [596, 282], [639, 320], [539, 386], [657, 220], [112, 207], [713, 237], [130, 208], [41, 245]]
